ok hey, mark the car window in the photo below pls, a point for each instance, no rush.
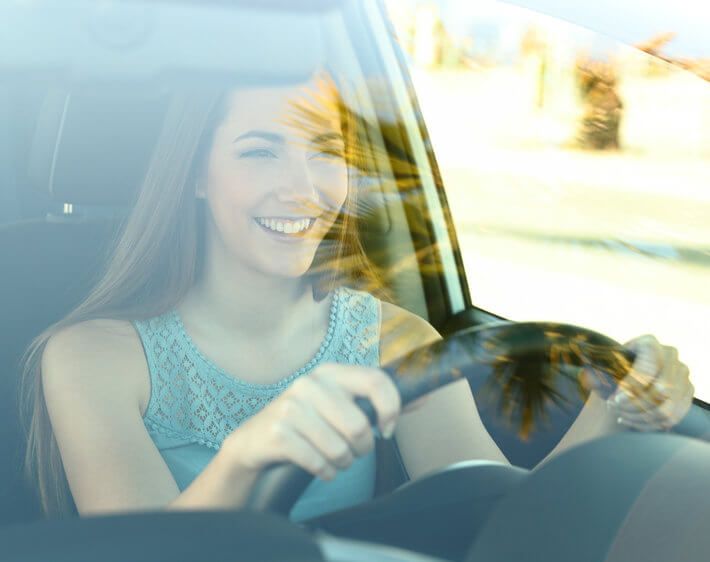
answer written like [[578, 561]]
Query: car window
[[576, 168]]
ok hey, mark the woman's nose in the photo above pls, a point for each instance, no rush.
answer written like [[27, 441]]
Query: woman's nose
[[298, 181]]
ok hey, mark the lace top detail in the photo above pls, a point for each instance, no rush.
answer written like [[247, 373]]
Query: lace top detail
[[195, 401]]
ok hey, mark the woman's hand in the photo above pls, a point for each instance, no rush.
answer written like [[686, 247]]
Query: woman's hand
[[315, 423], [657, 393]]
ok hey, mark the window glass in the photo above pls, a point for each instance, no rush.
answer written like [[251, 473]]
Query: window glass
[[576, 168]]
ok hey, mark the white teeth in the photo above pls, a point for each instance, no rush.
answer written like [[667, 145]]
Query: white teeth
[[287, 227]]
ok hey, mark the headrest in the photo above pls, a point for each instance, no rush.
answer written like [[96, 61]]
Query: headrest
[[93, 148]]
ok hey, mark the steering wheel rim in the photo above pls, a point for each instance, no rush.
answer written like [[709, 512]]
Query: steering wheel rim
[[477, 354]]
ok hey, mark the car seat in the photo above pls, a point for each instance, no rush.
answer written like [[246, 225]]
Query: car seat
[[627, 497], [50, 263]]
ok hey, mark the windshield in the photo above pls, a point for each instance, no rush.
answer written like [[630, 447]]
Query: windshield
[[227, 224]]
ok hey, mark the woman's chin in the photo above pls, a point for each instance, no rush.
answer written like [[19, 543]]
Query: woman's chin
[[287, 270]]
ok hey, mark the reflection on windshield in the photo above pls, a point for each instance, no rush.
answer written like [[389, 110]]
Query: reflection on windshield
[[523, 370], [369, 144]]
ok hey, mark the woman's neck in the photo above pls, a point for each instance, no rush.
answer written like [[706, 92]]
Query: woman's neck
[[248, 304]]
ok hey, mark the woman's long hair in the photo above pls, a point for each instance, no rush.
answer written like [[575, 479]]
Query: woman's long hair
[[157, 258]]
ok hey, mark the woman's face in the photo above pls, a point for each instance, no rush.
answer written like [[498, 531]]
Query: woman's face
[[274, 188]]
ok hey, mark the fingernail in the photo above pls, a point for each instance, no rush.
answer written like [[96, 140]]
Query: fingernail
[[388, 430]]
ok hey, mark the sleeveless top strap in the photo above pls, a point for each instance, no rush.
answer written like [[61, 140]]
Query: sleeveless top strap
[[195, 401]]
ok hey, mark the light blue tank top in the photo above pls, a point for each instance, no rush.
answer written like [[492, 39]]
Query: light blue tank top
[[194, 404]]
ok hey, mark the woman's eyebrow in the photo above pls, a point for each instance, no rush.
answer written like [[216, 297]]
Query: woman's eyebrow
[[325, 137], [266, 135]]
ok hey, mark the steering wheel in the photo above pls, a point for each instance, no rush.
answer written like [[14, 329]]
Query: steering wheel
[[526, 356]]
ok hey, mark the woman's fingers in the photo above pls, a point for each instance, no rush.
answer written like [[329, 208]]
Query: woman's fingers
[[637, 425], [330, 391], [324, 438], [366, 382], [673, 383], [657, 393], [649, 383], [649, 418], [683, 405], [297, 449], [647, 366], [316, 424], [338, 410], [308, 422]]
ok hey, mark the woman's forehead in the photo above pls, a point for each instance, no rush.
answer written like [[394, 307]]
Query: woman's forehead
[[308, 106]]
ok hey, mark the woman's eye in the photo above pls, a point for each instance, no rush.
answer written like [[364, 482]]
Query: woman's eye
[[332, 154], [257, 153]]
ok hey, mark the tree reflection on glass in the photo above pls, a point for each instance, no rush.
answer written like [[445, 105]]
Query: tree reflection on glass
[[524, 369]]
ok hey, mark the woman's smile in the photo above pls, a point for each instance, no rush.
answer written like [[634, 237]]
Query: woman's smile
[[285, 229]]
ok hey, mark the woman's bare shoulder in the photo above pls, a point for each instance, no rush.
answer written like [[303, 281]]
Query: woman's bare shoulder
[[402, 331], [103, 354], [93, 339]]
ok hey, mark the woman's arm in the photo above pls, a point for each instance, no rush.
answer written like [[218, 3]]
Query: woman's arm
[[655, 394], [96, 383], [446, 428], [97, 387]]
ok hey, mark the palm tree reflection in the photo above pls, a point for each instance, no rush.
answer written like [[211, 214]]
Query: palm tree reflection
[[539, 369], [524, 370]]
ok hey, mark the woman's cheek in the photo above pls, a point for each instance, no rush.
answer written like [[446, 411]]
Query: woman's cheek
[[241, 187], [334, 186]]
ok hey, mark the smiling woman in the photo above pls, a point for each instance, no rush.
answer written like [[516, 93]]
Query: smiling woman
[[210, 250], [262, 183]]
